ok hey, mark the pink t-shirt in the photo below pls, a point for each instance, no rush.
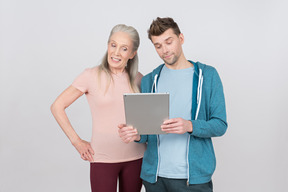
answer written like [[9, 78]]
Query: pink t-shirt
[[107, 109]]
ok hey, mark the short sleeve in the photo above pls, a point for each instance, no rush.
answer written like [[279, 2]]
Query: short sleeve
[[82, 82]]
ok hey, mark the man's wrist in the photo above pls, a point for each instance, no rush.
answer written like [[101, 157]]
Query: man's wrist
[[190, 129], [138, 138]]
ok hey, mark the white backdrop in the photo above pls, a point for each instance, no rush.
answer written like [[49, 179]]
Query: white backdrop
[[44, 45]]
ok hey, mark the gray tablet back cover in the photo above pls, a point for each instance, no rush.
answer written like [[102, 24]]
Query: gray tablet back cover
[[146, 111]]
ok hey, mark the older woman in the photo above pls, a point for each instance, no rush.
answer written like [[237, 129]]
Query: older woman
[[104, 86]]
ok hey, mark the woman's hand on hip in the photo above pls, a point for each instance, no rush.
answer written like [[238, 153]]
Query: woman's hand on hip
[[85, 150]]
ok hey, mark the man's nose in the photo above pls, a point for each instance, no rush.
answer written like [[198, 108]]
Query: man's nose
[[164, 49]]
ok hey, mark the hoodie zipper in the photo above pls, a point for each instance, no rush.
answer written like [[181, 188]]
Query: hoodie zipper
[[199, 96], [158, 163], [154, 86], [188, 143]]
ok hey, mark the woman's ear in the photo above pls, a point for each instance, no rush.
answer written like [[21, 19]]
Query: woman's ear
[[133, 55]]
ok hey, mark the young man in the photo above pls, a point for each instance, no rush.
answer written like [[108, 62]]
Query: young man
[[183, 159]]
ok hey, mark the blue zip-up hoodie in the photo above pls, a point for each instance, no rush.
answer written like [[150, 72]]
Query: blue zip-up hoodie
[[208, 107]]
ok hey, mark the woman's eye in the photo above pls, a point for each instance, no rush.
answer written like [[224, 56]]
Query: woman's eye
[[113, 45], [125, 49]]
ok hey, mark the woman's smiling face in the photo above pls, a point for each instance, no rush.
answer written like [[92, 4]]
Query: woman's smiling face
[[120, 50]]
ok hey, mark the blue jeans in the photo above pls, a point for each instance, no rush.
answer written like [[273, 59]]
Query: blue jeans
[[176, 185]]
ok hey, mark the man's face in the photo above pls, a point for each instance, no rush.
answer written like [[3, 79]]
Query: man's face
[[168, 46]]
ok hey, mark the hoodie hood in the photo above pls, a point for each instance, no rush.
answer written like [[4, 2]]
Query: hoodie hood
[[197, 65]]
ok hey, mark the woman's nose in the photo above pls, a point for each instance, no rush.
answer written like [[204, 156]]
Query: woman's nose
[[117, 51]]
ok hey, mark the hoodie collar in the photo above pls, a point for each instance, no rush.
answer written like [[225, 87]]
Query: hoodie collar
[[160, 67], [196, 67]]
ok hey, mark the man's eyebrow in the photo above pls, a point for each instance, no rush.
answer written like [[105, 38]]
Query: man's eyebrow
[[155, 44], [168, 38]]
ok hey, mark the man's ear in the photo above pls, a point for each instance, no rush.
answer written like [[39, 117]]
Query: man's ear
[[181, 37], [133, 55]]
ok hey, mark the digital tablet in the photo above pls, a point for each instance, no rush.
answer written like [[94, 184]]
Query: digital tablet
[[146, 111]]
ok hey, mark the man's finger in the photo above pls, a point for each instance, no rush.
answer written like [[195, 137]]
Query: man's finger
[[171, 125], [170, 121]]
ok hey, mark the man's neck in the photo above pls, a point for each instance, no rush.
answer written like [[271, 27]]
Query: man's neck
[[182, 63]]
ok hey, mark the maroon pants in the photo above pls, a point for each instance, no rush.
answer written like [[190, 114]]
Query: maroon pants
[[103, 176]]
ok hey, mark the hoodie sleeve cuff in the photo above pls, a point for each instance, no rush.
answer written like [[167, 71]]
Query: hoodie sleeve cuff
[[143, 139], [195, 130]]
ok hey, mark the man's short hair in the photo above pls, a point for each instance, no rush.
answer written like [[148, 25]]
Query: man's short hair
[[160, 25]]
